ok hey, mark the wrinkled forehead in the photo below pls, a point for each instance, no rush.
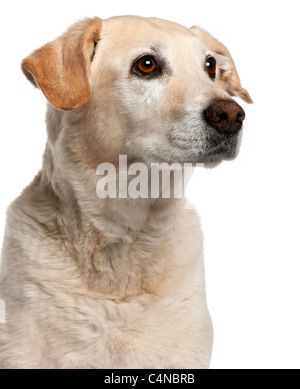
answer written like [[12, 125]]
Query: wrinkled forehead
[[126, 34]]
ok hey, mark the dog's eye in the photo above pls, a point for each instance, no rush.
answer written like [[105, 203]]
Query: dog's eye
[[146, 66], [211, 66]]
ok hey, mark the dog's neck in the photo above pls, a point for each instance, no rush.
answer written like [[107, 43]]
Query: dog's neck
[[110, 235], [71, 164], [76, 188]]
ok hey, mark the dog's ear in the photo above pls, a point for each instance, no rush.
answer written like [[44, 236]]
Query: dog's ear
[[228, 78], [62, 68]]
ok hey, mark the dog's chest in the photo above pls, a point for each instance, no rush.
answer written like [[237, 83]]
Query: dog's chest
[[137, 334]]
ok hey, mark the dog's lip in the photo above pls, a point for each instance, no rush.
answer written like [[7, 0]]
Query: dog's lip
[[216, 158], [224, 150], [209, 160], [213, 142]]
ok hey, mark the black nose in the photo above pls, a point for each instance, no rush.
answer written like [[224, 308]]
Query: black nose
[[225, 116]]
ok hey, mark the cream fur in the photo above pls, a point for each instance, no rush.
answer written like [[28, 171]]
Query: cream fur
[[92, 283]]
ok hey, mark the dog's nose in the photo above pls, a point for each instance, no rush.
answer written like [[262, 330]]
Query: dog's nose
[[225, 116]]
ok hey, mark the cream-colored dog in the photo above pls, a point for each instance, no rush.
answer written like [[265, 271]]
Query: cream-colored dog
[[116, 283]]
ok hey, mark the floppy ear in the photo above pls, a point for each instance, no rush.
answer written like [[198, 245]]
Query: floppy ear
[[62, 68], [228, 79]]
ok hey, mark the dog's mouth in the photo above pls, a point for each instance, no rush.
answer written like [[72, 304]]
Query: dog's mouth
[[227, 150], [210, 149]]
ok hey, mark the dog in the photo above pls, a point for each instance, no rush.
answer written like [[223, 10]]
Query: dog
[[105, 283]]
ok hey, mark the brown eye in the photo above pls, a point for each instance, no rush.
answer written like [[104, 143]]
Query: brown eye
[[211, 67], [146, 66]]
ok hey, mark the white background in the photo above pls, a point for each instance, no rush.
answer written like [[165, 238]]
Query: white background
[[250, 207]]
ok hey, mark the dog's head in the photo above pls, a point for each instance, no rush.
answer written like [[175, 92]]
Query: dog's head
[[144, 87]]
